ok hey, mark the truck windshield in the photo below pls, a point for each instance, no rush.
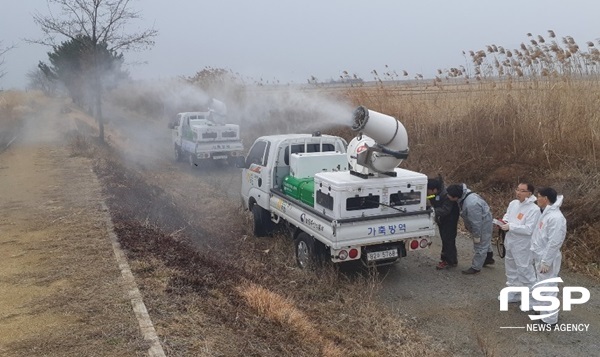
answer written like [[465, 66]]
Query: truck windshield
[[202, 122]]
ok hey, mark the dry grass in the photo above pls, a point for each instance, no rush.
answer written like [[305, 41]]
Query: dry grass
[[282, 310], [485, 345], [17, 110], [80, 145], [12, 113]]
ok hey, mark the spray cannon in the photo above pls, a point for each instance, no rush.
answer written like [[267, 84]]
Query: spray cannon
[[217, 111], [381, 145]]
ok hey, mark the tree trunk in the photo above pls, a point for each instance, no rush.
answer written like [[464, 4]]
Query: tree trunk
[[99, 118], [98, 94]]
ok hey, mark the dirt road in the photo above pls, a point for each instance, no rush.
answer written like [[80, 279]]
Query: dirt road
[[61, 292]]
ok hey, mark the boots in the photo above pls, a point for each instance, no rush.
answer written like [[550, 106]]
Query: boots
[[489, 260]]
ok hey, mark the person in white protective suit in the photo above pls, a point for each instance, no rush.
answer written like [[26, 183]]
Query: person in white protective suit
[[521, 216], [477, 218], [548, 237]]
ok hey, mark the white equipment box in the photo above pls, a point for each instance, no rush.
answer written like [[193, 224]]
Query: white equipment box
[[303, 165], [341, 195]]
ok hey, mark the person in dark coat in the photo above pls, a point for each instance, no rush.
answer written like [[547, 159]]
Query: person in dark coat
[[477, 218], [447, 214]]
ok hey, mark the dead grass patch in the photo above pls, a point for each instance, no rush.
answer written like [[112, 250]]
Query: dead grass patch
[[283, 311]]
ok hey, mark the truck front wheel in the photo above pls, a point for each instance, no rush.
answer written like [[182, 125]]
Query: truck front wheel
[[262, 221], [307, 254]]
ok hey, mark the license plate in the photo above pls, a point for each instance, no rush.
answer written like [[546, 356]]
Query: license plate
[[384, 254], [219, 157]]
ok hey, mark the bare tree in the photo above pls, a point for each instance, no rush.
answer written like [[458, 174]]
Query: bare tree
[[3, 51], [104, 23]]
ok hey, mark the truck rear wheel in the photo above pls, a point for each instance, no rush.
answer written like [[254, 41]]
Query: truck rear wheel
[[308, 254], [262, 221]]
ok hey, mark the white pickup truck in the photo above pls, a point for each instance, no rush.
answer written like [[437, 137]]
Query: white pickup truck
[[339, 206], [201, 136]]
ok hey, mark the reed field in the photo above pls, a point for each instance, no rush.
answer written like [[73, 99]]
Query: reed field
[[528, 114], [492, 134]]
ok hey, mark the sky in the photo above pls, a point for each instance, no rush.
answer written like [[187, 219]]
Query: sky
[[280, 41]]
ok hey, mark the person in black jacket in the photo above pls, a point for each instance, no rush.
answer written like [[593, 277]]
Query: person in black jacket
[[446, 217]]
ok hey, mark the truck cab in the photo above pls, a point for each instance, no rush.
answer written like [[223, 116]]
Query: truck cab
[[268, 162]]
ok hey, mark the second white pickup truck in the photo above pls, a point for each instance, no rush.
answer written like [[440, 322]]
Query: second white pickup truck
[[202, 137]]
